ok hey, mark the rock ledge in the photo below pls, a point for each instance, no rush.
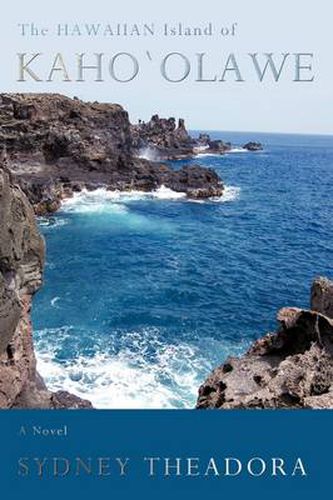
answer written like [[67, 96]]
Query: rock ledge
[[292, 368]]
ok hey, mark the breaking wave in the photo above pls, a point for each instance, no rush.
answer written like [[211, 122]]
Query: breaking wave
[[204, 155], [102, 200], [144, 373], [230, 193], [99, 199], [237, 150]]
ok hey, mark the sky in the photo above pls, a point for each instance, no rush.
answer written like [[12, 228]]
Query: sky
[[261, 26]]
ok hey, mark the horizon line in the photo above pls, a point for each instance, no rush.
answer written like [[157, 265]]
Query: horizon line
[[318, 134]]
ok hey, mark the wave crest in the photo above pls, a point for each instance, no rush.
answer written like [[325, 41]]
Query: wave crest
[[102, 200], [144, 373], [230, 193]]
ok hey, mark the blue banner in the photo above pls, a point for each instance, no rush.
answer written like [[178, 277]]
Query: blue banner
[[165, 454]]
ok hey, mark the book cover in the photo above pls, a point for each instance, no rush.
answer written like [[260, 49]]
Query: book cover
[[166, 281]]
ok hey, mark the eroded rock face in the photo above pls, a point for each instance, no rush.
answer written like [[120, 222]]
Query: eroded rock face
[[59, 145], [167, 138], [21, 269], [322, 296], [292, 368], [163, 139], [21, 266]]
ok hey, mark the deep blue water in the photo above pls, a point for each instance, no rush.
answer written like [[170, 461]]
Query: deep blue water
[[144, 296]]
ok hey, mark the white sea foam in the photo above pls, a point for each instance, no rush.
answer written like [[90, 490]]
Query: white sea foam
[[230, 193], [54, 302], [102, 200], [164, 193], [237, 150], [203, 155], [148, 153], [219, 155], [97, 201], [127, 379], [52, 222]]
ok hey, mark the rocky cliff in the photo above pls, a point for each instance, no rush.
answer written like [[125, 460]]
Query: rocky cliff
[[167, 139], [21, 269], [57, 145], [163, 139], [292, 368]]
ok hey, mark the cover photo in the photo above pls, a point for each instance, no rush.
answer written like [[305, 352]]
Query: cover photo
[[166, 209], [166, 185], [166, 204]]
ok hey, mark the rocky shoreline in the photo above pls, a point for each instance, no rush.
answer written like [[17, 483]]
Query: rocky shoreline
[[55, 146], [292, 368], [163, 139]]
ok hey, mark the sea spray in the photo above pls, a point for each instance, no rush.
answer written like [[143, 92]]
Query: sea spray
[[145, 372], [102, 199]]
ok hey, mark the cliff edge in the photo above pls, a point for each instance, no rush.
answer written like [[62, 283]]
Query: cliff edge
[[292, 368], [21, 270]]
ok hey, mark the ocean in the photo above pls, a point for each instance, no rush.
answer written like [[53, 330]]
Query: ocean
[[145, 294]]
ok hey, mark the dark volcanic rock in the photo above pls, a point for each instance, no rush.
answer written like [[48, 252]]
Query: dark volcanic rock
[[59, 145], [253, 146], [52, 127], [218, 147], [21, 269], [195, 182], [160, 139], [163, 138], [292, 368], [212, 146]]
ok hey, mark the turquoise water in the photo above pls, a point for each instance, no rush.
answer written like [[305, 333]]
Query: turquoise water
[[144, 295]]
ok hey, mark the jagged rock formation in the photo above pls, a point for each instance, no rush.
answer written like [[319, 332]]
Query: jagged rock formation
[[59, 145], [167, 140], [292, 368], [21, 268], [161, 139]]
